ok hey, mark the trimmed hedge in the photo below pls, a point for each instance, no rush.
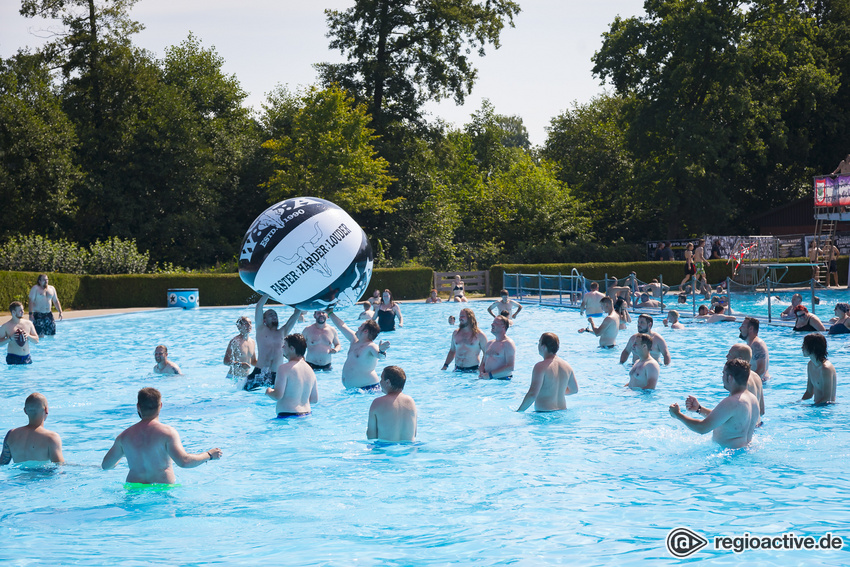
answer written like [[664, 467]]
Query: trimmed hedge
[[149, 290], [672, 272]]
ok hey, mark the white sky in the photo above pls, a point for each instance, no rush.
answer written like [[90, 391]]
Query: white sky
[[542, 67]]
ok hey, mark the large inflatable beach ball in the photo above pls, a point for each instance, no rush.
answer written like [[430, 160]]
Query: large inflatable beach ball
[[308, 253]]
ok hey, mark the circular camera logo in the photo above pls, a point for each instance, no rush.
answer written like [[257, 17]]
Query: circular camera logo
[[682, 542]]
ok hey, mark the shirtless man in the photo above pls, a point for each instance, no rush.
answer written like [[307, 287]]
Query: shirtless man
[[715, 315], [322, 343], [269, 344], [32, 442], [734, 419], [607, 330], [392, 417], [295, 388], [552, 379], [843, 167], [831, 252], [820, 386], [505, 303], [701, 264], [163, 365], [367, 312], [363, 354], [614, 291], [241, 352], [814, 252], [647, 303], [42, 299], [788, 314], [150, 446], [673, 320], [590, 301], [468, 341], [749, 331], [654, 288], [433, 298], [644, 373], [18, 333], [498, 363], [754, 383], [657, 350]]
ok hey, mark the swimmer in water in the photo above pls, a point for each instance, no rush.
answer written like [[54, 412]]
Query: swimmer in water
[[433, 298], [658, 349], [608, 329], [468, 342], [295, 388], [498, 362], [269, 344], [552, 379], [644, 373], [18, 332], [150, 446], [32, 442], [754, 382], [733, 421], [672, 320], [505, 303], [392, 417], [367, 312], [241, 353], [590, 301], [322, 343], [748, 331], [820, 384], [717, 315], [363, 354], [163, 365]]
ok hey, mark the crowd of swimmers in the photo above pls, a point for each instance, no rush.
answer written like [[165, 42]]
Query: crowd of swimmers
[[285, 364]]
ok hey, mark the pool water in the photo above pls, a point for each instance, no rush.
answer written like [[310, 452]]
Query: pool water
[[601, 483]]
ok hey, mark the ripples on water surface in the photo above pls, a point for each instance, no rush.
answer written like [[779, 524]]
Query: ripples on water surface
[[601, 483]]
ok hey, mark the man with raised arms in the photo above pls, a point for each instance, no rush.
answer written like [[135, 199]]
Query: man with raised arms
[[163, 365], [151, 446], [644, 372], [505, 303], [659, 345], [392, 417], [590, 301], [749, 331], [295, 388], [322, 343], [468, 341], [241, 353], [552, 379], [42, 299], [754, 383], [269, 344], [18, 332], [734, 419], [32, 442], [498, 363], [363, 354], [607, 330], [820, 386], [673, 320]]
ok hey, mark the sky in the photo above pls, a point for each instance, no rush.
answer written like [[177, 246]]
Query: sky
[[541, 69]]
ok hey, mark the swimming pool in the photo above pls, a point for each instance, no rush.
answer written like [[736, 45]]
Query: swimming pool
[[601, 483]]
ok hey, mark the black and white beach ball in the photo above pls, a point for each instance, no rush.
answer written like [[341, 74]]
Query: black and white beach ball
[[308, 253]]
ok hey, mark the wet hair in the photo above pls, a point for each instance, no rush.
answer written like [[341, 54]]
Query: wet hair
[[298, 342], [815, 344], [683, 298], [739, 370], [149, 400], [470, 317], [551, 342], [674, 313], [505, 313], [644, 339], [243, 321], [163, 347], [594, 286], [395, 376], [718, 309], [702, 309], [753, 323], [606, 299], [34, 402], [844, 307], [504, 321], [647, 318], [372, 328], [15, 304], [619, 304]]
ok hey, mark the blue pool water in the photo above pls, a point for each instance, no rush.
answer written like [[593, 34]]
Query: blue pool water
[[602, 483]]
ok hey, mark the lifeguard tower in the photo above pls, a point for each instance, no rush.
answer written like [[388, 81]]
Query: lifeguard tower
[[832, 199]]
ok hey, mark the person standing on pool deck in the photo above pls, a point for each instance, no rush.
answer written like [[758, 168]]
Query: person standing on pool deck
[[163, 365], [363, 354], [322, 343], [607, 330], [32, 442], [269, 344], [552, 379], [814, 252], [392, 417], [42, 299], [590, 301], [505, 303], [820, 385], [295, 388], [700, 265], [643, 374], [734, 419], [387, 311], [658, 350], [18, 332], [468, 341], [150, 446], [831, 252], [498, 362], [748, 331], [241, 353]]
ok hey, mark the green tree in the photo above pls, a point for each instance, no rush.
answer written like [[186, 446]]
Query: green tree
[[37, 142]]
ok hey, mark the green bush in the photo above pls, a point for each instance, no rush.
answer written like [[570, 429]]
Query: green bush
[[404, 283], [35, 253], [15, 286]]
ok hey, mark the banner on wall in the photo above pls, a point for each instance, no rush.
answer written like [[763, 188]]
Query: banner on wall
[[832, 191]]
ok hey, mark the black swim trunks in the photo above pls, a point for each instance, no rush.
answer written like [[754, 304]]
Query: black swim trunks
[[371, 388], [18, 359], [286, 414], [320, 367], [258, 379], [466, 368], [44, 324], [833, 267]]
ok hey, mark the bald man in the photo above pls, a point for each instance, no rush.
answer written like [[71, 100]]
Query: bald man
[[32, 442]]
